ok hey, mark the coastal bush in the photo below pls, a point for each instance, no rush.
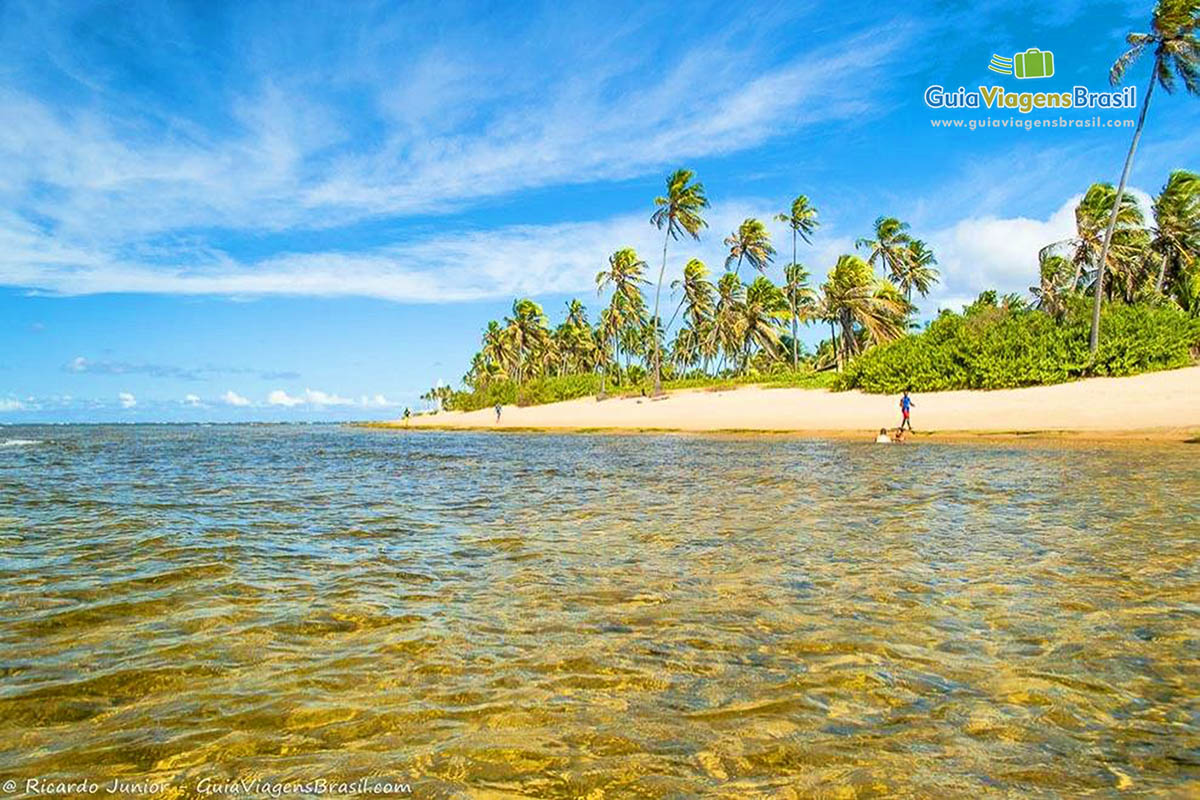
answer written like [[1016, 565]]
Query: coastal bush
[[570, 387], [993, 346]]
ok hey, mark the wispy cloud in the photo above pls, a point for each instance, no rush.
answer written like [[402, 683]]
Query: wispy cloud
[[128, 193], [127, 400], [81, 365], [232, 398]]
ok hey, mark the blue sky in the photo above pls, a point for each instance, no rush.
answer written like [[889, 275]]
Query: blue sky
[[249, 211]]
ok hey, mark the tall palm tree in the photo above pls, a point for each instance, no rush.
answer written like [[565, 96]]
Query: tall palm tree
[[627, 307], [679, 212], [916, 270], [802, 219], [1176, 225], [890, 245], [752, 242], [801, 300], [1176, 53], [857, 299]]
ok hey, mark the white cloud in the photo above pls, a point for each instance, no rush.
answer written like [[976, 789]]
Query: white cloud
[[127, 400], [1000, 253], [192, 400], [316, 398], [282, 398], [10, 404], [234, 399]]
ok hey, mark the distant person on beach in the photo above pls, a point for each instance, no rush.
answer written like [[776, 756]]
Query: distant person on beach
[[906, 405], [898, 438], [407, 414], [883, 437], [497, 413]]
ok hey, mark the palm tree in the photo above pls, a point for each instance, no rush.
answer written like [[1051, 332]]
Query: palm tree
[[1176, 225], [678, 212], [889, 246], [760, 318], [725, 332], [1090, 219], [528, 332], [855, 298], [497, 348], [752, 242], [697, 300], [627, 307], [801, 300], [1055, 271], [916, 270], [1176, 52], [802, 219]]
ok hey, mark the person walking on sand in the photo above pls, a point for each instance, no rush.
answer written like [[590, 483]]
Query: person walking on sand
[[906, 405], [497, 413]]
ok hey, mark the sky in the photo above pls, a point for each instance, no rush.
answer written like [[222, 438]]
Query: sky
[[259, 211]]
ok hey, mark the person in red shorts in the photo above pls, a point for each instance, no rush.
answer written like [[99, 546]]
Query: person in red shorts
[[906, 405]]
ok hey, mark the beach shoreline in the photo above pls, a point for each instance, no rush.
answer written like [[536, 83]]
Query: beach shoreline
[[1152, 407]]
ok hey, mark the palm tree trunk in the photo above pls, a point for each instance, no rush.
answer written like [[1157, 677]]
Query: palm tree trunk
[[833, 347], [1094, 342], [795, 350], [1162, 274], [657, 355]]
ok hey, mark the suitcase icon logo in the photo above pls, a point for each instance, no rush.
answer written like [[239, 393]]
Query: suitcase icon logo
[[1033, 63]]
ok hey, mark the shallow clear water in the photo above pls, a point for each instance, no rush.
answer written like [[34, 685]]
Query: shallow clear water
[[598, 616]]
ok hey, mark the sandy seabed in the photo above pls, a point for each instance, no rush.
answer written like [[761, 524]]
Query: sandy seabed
[[1159, 405]]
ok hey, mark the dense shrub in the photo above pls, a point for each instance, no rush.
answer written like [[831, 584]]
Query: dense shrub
[[991, 347]]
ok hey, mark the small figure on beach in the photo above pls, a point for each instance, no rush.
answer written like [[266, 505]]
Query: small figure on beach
[[883, 437], [497, 413], [906, 405], [899, 436], [407, 414]]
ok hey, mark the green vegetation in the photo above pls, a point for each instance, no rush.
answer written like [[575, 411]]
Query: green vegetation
[[1143, 276], [1176, 56], [1005, 344]]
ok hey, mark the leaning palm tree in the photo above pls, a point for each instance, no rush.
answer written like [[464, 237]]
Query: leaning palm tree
[[801, 301], [1176, 226], [1176, 53], [856, 299], [802, 219], [752, 242], [916, 270], [890, 245], [679, 212]]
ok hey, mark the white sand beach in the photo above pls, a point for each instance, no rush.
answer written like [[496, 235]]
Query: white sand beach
[[1156, 405]]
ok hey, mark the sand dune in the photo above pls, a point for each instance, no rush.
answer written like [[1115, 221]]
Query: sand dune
[[1161, 404]]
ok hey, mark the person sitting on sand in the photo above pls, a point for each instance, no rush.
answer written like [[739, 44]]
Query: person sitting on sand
[[883, 438], [899, 436]]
